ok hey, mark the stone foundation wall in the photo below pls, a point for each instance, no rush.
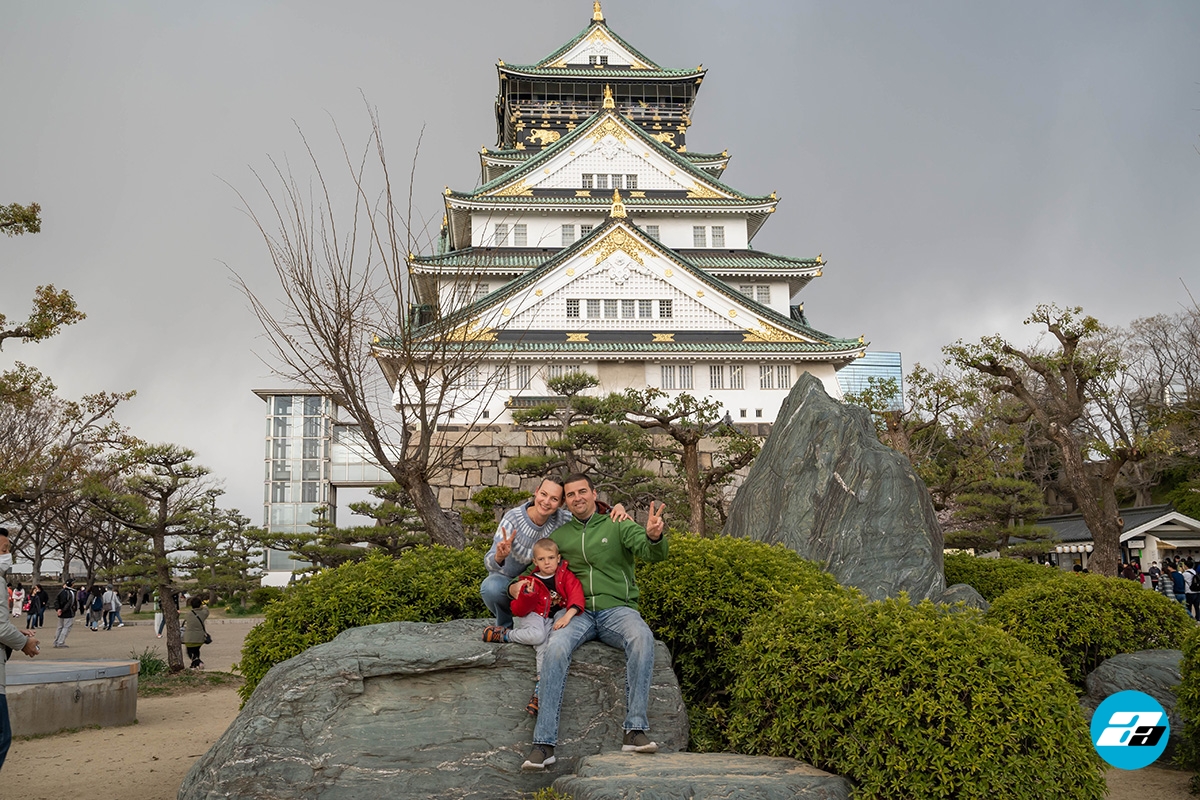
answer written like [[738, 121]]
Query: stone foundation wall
[[480, 461]]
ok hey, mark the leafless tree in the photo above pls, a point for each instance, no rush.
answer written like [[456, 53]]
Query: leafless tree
[[350, 322]]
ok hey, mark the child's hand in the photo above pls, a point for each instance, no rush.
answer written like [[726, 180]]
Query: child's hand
[[561, 622], [527, 586]]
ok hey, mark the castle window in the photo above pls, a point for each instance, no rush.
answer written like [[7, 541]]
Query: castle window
[[627, 309], [783, 376], [555, 371], [762, 294], [665, 309], [652, 232], [584, 230], [766, 376], [668, 376], [598, 61], [645, 309], [699, 236], [718, 235], [588, 180], [568, 235], [685, 376], [593, 308], [573, 307], [520, 235], [716, 376], [610, 309], [523, 373], [631, 181], [735, 379], [501, 237]]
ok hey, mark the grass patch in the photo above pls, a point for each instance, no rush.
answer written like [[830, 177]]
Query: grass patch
[[186, 682]]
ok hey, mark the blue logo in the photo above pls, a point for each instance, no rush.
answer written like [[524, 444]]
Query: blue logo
[[1130, 730]]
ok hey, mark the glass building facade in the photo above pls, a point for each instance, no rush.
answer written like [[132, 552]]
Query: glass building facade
[[854, 376], [308, 455]]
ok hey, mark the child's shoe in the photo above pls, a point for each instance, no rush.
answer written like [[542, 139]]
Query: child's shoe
[[495, 633]]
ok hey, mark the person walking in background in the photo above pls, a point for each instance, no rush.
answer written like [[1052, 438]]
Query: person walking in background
[[95, 608], [112, 609], [44, 596], [66, 603], [34, 608], [18, 600], [194, 633]]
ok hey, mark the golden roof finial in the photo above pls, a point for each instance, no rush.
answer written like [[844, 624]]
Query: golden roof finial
[[597, 14], [608, 97], [618, 208], [820, 259]]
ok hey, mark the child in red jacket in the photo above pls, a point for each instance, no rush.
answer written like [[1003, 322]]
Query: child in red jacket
[[538, 596]]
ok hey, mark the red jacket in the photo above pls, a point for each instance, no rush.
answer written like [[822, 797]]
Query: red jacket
[[567, 586]]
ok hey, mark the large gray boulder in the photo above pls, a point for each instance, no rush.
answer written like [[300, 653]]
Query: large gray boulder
[[826, 487], [716, 776], [410, 710], [1155, 672]]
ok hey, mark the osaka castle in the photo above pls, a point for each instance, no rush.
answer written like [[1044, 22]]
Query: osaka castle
[[597, 242]]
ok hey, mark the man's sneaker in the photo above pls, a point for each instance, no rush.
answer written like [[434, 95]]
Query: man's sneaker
[[638, 742], [495, 633], [540, 757]]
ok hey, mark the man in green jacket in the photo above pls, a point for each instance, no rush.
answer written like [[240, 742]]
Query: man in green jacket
[[601, 554]]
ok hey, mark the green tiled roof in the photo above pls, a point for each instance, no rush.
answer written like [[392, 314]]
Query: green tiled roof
[[550, 59], [521, 155], [472, 310], [515, 259], [567, 141], [835, 346], [605, 201], [594, 72]]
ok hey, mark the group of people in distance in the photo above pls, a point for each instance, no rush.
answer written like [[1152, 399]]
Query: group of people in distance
[[561, 576], [1179, 581]]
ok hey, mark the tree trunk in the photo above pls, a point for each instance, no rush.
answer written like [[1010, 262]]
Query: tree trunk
[[162, 569], [443, 528], [1097, 503], [695, 494]]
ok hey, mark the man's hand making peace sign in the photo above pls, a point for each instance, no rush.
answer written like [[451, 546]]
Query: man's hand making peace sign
[[654, 521]]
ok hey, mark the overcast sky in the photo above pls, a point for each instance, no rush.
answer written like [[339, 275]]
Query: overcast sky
[[955, 163]]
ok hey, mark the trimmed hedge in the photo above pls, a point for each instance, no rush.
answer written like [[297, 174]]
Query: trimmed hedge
[[1080, 620], [992, 577], [699, 601], [1187, 697], [425, 584], [910, 701]]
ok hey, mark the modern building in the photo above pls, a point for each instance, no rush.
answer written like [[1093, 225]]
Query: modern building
[[308, 455], [881, 365], [597, 242]]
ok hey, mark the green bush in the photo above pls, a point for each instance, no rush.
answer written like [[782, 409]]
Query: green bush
[[1187, 696], [1080, 620], [150, 662], [425, 584], [992, 577], [910, 701], [699, 600]]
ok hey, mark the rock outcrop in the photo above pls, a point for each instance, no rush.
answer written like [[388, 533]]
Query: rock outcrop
[[715, 776], [410, 710], [1155, 672], [826, 487]]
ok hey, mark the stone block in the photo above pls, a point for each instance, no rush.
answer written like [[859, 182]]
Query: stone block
[[445, 497], [490, 476], [462, 494]]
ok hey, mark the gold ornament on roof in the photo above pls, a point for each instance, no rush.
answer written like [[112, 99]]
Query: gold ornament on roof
[[608, 98], [768, 333], [617, 239], [618, 208], [820, 259], [700, 190], [518, 189], [538, 292], [471, 332], [609, 128], [597, 14], [663, 337], [577, 337]]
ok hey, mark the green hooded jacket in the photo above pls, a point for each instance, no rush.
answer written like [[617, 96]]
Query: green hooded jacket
[[601, 554]]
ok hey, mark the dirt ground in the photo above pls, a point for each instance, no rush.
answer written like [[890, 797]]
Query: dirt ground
[[148, 760]]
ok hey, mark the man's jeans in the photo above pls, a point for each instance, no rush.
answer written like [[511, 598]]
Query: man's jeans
[[495, 596], [617, 627], [64, 628]]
